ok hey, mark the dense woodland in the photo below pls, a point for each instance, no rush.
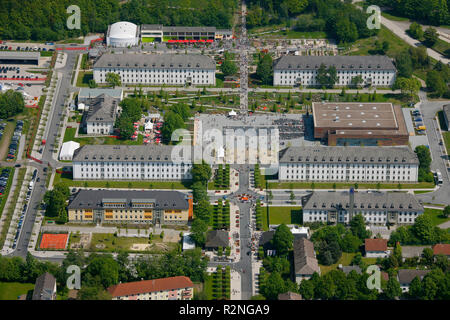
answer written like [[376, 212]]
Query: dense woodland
[[46, 19], [434, 12], [338, 19]]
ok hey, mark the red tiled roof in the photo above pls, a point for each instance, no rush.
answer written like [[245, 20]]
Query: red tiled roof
[[442, 248], [138, 287], [376, 245]]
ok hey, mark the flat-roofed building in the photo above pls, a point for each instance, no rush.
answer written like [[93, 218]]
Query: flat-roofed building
[[348, 164], [173, 288], [86, 94], [131, 206], [122, 34], [302, 70], [18, 57], [356, 124], [121, 162], [377, 208], [173, 69], [151, 33]]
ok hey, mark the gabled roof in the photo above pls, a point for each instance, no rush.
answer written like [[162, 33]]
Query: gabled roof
[[348, 269], [405, 276], [147, 286], [305, 261], [376, 245], [217, 238], [442, 248], [45, 284], [102, 108]]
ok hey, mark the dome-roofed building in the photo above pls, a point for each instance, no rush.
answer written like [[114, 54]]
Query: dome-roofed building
[[122, 34]]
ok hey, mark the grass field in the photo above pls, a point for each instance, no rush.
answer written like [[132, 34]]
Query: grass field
[[148, 39], [67, 179], [367, 46], [329, 185], [12, 290], [84, 77], [286, 215], [436, 216], [345, 260], [69, 135]]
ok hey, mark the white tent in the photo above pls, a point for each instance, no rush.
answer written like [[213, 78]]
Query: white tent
[[148, 126], [67, 150], [232, 113], [82, 107], [188, 243]]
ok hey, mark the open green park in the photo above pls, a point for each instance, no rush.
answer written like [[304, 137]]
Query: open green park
[[12, 290]]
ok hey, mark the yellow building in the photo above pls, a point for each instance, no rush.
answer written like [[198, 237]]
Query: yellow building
[[116, 206]]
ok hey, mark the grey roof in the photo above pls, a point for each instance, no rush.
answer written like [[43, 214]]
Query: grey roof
[[305, 261], [151, 27], [217, 238], [19, 55], [102, 109], [155, 61], [114, 153], [364, 155], [88, 93], [289, 296], [406, 276], [340, 62], [369, 200], [189, 29], [162, 199], [413, 251], [446, 110], [348, 269], [43, 289]]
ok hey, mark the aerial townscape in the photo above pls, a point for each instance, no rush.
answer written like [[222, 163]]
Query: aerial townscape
[[225, 150]]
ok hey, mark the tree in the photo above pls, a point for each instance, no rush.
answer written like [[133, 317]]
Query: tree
[[415, 288], [11, 103], [307, 289], [423, 229], [446, 212], [358, 227], [424, 155], [346, 31], [201, 173], [282, 240], [357, 81], [103, 270], [393, 289], [264, 71], [430, 37], [273, 286], [326, 76], [350, 243], [182, 109], [404, 65], [409, 87], [93, 293], [55, 201], [198, 229], [113, 79], [415, 30], [203, 210], [172, 121], [199, 191], [228, 67], [435, 83], [125, 127]]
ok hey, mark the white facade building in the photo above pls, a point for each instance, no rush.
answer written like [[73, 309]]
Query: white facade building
[[302, 70], [100, 115], [156, 69], [376, 207], [122, 34], [344, 164], [111, 162]]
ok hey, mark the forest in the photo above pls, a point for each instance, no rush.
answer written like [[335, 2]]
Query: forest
[[434, 12], [340, 20], [42, 20]]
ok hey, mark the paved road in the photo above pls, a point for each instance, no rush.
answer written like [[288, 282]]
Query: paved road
[[47, 156], [429, 110]]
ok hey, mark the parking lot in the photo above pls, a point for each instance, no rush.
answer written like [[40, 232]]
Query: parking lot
[[14, 145]]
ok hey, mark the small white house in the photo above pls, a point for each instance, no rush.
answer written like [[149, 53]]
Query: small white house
[[67, 150]]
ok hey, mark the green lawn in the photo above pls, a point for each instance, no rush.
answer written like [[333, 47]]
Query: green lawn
[[329, 185], [12, 290], [367, 46], [84, 77], [436, 216], [67, 179], [446, 135], [69, 135], [286, 215], [345, 260], [148, 39], [208, 287], [392, 17]]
